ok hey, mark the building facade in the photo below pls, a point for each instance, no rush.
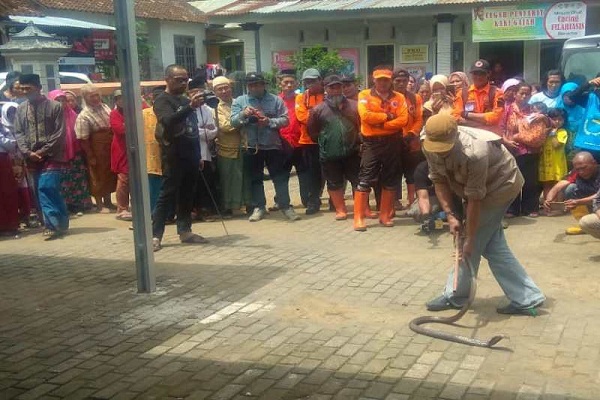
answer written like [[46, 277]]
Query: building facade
[[424, 36], [169, 32]]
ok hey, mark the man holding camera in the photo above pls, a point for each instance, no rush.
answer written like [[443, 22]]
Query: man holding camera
[[260, 114], [177, 133]]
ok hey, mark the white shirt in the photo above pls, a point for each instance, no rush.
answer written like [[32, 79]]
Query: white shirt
[[207, 130]]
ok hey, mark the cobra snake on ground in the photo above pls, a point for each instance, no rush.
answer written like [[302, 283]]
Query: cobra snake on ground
[[416, 324]]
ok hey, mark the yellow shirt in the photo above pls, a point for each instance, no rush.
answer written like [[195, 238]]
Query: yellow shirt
[[229, 138], [153, 157]]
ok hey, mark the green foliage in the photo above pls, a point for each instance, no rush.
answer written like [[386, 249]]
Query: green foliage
[[144, 48], [326, 61]]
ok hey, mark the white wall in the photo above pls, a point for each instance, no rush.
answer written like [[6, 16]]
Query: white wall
[[169, 29]]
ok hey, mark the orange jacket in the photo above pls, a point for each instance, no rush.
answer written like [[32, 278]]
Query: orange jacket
[[480, 100], [304, 103], [415, 115], [373, 110]]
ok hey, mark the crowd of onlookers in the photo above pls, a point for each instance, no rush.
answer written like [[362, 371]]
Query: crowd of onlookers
[[206, 151]]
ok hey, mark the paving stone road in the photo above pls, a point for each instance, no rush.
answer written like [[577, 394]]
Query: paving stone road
[[281, 310]]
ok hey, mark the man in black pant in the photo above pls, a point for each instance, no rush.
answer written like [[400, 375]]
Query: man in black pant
[[177, 132]]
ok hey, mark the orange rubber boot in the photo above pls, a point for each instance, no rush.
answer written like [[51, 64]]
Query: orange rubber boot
[[361, 199], [337, 198], [386, 212]]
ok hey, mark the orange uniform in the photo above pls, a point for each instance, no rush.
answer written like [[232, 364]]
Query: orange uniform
[[415, 115], [373, 112], [478, 101], [304, 103]]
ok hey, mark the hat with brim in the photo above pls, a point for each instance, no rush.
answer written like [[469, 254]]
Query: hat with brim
[[332, 80], [382, 73], [117, 93], [254, 77], [480, 66], [440, 133]]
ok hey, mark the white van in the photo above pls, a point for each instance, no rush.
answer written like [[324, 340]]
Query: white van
[[65, 77]]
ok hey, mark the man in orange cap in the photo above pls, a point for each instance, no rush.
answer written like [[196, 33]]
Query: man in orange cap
[[383, 115]]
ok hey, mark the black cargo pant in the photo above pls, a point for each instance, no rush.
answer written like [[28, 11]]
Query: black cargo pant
[[381, 162], [180, 177]]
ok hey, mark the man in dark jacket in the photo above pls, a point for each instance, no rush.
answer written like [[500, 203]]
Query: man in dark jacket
[[335, 126], [177, 131], [40, 134]]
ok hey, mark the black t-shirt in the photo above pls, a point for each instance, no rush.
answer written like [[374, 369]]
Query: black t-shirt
[[180, 125], [421, 177]]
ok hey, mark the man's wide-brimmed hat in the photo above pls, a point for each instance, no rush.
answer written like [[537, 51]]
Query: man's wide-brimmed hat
[[441, 131]]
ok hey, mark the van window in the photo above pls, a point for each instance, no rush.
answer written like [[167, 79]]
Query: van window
[[583, 66], [71, 79]]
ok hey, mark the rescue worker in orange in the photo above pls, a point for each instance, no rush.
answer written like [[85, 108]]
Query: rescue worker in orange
[[312, 97], [484, 103], [412, 154], [383, 116]]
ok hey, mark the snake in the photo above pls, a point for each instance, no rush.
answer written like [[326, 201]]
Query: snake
[[416, 325]]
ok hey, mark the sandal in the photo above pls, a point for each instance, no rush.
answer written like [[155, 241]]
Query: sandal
[[193, 238], [52, 235], [124, 216]]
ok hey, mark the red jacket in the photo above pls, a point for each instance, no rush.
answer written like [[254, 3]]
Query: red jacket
[[290, 133], [118, 147]]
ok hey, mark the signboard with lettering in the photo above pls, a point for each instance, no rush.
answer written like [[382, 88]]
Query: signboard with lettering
[[414, 54], [282, 59], [533, 21]]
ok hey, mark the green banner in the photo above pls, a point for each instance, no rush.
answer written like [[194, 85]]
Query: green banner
[[535, 21]]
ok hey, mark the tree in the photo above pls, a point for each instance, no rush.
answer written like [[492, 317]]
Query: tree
[[144, 48], [326, 61]]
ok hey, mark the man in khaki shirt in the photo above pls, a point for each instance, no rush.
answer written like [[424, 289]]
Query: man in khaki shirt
[[473, 164]]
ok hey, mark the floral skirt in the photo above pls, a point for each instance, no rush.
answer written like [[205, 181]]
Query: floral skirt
[[75, 188]]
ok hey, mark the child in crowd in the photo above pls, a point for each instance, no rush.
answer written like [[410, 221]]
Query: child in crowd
[[553, 160]]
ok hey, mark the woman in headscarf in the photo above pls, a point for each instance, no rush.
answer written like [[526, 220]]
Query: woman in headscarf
[[424, 91], [73, 101], [550, 93], [575, 115], [75, 182], [441, 97], [524, 136], [92, 128], [459, 80], [509, 88], [9, 197]]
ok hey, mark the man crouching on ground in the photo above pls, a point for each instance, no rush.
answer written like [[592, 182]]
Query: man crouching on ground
[[474, 165]]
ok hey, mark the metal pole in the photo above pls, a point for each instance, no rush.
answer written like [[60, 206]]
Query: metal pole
[[136, 149], [257, 48]]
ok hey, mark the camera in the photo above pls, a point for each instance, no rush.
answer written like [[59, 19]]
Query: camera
[[210, 99], [253, 119]]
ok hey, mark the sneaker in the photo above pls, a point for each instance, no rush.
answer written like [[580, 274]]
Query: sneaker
[[513, 310], [311, 210], [441, 303], [290, 214], [156, 246], [257, 214]]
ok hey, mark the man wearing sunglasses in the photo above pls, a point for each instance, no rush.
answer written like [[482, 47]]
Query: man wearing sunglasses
[[177, 133]]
